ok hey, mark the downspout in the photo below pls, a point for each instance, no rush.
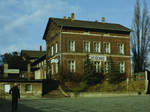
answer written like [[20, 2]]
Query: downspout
[[61, 49]]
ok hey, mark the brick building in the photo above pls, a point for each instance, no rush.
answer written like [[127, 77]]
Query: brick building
[[69, 41], [39, 68]]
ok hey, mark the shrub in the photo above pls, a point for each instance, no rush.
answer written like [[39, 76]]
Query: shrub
[[94, 78], [70, 77], [73, 82], [115, 78]]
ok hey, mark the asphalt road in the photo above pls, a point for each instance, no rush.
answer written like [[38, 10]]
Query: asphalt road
[[99, 104]]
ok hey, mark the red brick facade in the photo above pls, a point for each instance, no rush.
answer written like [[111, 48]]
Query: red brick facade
[[62, 36]]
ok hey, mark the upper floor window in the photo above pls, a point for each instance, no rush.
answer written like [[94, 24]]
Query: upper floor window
[[71, 45], [86, 46], [97, 47], [71, 65], [121, 48], [106, 47], [56, 48], [52, 50], [122, 67]]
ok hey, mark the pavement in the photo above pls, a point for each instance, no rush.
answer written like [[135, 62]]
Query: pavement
[[92, 104]]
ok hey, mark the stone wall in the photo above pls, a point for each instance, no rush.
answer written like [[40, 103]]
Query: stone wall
[[27, 89]]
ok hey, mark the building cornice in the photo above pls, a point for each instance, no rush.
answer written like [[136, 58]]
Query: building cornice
[[108, 55], [100, 35], [93, 54]]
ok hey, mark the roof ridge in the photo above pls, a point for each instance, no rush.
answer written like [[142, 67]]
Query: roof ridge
[[34, 50], [84, 21]]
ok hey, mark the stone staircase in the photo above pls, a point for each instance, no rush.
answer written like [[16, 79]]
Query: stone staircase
[[54, 94], [57, 93]]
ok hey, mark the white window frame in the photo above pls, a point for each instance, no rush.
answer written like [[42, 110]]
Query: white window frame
[[72, 45], [97, 66], [52, 50], [121, 48], [97, 47], [6, 88], [72, 65], [52, 69], [122, 67], [56, 48], [107, 67], [86, 45], [107, 47], [56, 67]]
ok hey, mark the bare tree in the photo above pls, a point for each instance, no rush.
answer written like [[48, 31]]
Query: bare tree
[[140, 37]]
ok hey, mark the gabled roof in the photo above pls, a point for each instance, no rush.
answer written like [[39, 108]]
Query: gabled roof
[[32, 54], [38, 60], [91, 25]]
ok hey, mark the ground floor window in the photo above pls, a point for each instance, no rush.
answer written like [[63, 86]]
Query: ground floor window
[[6, 88], [71, 66], [107, 67], [97, 65], [121, 67], [28, 88]]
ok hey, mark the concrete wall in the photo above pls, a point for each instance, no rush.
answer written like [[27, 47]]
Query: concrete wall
[[36, 88]]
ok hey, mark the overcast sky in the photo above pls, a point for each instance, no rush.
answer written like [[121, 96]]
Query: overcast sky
[[23, 22]]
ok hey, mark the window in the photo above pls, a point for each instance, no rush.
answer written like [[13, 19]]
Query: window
[[107, 67], [97, 47], [52, 69], [121, 48], [122, 67], [28, 88], [71, 45], [86, 46], [97, 66], [71, 65], [6, 88], [56, 67], [106, 47], [44, 62], [56, 48], [85, 66], [52, 50]]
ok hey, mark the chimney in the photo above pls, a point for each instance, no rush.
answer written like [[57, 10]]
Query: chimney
[[96, 20], [40, 48], [103, 19], [64, 17], [72, 16]]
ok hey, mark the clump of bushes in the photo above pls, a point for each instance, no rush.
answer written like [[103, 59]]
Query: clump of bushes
[[73, 82], [115, 78], [94, 78]]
